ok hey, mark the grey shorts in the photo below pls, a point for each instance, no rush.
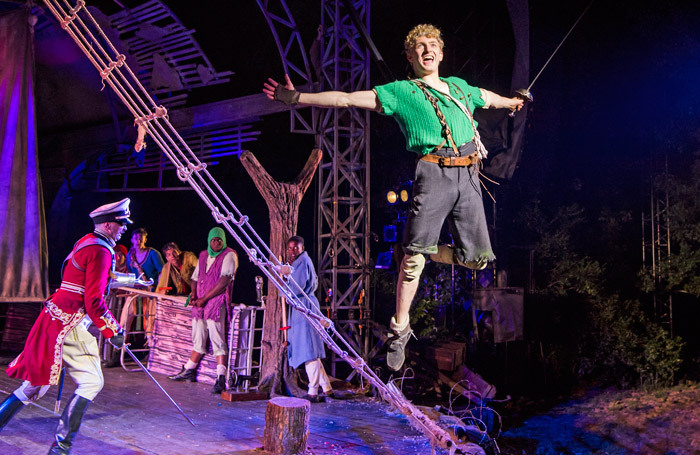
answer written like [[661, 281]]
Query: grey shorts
[[452, 194]]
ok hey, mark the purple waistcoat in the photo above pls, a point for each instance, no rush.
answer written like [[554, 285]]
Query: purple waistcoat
[[207, 279]]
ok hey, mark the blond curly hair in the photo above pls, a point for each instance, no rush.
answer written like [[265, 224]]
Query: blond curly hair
[[416, 32]]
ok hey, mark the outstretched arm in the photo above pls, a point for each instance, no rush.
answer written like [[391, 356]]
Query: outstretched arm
[[495, 101], [364, 99]]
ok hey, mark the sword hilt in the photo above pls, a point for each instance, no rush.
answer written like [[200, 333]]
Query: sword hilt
[[525, 95]]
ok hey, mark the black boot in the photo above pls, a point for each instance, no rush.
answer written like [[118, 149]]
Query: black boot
[[185, 375], [9, 408], [68, 425], [219, 385]]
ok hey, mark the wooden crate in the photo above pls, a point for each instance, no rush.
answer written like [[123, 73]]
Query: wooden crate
[[445, 357], [460, 350]]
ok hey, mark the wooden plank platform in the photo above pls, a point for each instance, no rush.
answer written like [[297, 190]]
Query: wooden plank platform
[[173, 342], [131, 416]]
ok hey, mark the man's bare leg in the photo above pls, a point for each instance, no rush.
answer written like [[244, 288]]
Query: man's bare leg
[[409, 278]]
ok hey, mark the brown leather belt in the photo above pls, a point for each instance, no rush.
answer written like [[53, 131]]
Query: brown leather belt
[[452, 161]]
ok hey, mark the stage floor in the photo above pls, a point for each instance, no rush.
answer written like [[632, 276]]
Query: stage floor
[[131, 416]]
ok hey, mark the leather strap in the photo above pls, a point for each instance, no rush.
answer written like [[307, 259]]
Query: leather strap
[[452, 161], [441, 117]]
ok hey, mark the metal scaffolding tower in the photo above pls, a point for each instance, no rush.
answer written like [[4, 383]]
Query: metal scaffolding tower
[[656, 248], [343, 176]]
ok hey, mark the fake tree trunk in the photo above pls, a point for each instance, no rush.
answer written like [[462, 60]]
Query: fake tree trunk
[[283, 201]]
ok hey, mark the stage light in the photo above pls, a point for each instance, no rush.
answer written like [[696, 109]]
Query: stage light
[[391, 197], [384, 260], [390, 233], [405, 190]]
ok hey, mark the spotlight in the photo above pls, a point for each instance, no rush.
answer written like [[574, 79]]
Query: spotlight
[[405, 190], [391, 197]]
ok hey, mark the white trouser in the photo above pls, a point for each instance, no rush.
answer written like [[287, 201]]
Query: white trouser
[[27, 393], [206, 328], [82, 361], [317, 376]]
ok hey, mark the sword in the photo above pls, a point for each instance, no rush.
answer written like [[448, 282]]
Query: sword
[[138, 362], [525, 94]]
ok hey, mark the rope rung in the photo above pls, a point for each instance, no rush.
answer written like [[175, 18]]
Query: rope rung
[[183, 174], [160, 111], [198, 167], [113, 64], [73, 14], [219, 218]]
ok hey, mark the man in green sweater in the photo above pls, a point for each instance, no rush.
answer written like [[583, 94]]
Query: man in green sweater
[[435, 116]]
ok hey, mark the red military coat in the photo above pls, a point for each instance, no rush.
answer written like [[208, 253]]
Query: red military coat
[[85, 278]]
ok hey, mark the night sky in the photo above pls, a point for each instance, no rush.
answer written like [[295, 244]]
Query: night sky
[[619, 97]]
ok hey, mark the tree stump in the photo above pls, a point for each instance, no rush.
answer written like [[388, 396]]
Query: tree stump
[[286, 426]]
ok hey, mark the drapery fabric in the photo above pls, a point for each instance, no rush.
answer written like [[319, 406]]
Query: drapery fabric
[[502, 165], [23, 246]]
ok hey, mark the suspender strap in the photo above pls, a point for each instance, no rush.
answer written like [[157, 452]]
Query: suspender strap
[[483, 153], [441, 117]]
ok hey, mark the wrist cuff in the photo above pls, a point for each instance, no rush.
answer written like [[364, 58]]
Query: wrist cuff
[[288, 97]]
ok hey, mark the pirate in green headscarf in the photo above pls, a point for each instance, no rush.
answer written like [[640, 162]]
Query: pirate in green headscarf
[[212, 282]]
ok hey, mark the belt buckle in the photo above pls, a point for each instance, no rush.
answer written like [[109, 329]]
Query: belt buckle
[[446, 161]]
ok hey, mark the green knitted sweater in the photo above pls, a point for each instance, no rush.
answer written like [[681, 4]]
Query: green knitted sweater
[[416, 116]]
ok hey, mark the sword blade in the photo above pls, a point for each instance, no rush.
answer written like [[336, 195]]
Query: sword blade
[[560, 43], [138, 362]]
